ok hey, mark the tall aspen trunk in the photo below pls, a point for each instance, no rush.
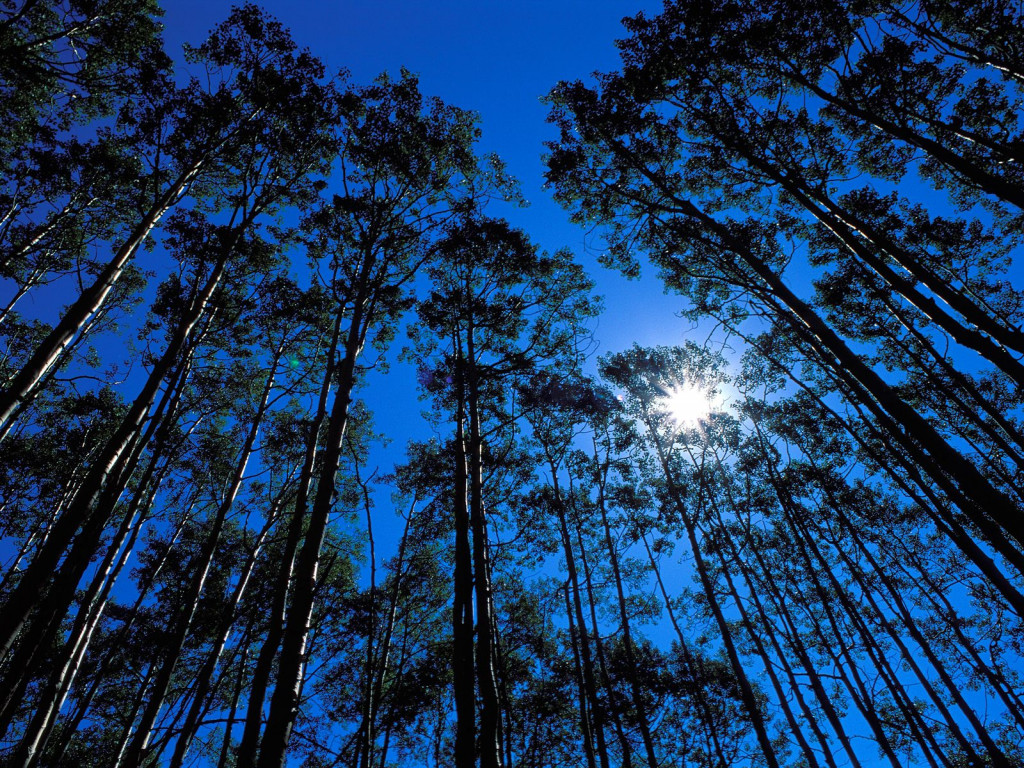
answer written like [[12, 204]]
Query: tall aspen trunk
[[277, 615], [75, 204], [917, 454], [490, 740], [844, 661], [15, 423], [581, 689], [140, 742], [753, 591], [614, 706], [969, 400], [973, 174], [84, 702], [935, 594], [23, 386], [895, 599], [988, 337], [762, 582], [462, 610], [816, 560], [781, 693], [904, 469], [366, 735], [93, 504], [42, 632], [90, 614], [989, 508], [284, 702], [913, 432], [204, 679], [133, 712], [94, 601], [931, 31], [378, 660], [225, 748]]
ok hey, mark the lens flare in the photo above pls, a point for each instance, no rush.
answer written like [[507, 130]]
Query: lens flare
[[687, 405]]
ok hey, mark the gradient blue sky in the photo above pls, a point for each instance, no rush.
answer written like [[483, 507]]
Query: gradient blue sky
[[498, 58]]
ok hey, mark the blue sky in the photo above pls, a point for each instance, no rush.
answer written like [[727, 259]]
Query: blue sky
[[497, 58]]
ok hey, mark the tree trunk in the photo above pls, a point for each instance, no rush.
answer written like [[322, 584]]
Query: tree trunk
[[614, 707], [627, 637], [277, 615], [85, 701], [973, 175], [201, 569], [986, 504], [43, 630], [93, 504], [914, 484], [725, 537], [24, 385], [490, 741], [746, 690], [996, 755], [284, 702], [225, 749], [204, 678], [589, 703], [875, 651], [462, 609], [94, 602], [853, 233], [692, 665]]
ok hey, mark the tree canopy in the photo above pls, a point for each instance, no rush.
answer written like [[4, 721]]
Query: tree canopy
[[792, 540]]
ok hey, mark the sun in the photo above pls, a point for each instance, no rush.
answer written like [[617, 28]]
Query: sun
[[687, 404]]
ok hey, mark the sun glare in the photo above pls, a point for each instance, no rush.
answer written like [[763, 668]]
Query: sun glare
[[687, 405]]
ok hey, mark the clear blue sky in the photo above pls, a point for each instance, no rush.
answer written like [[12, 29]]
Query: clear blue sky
[[498, 58]]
